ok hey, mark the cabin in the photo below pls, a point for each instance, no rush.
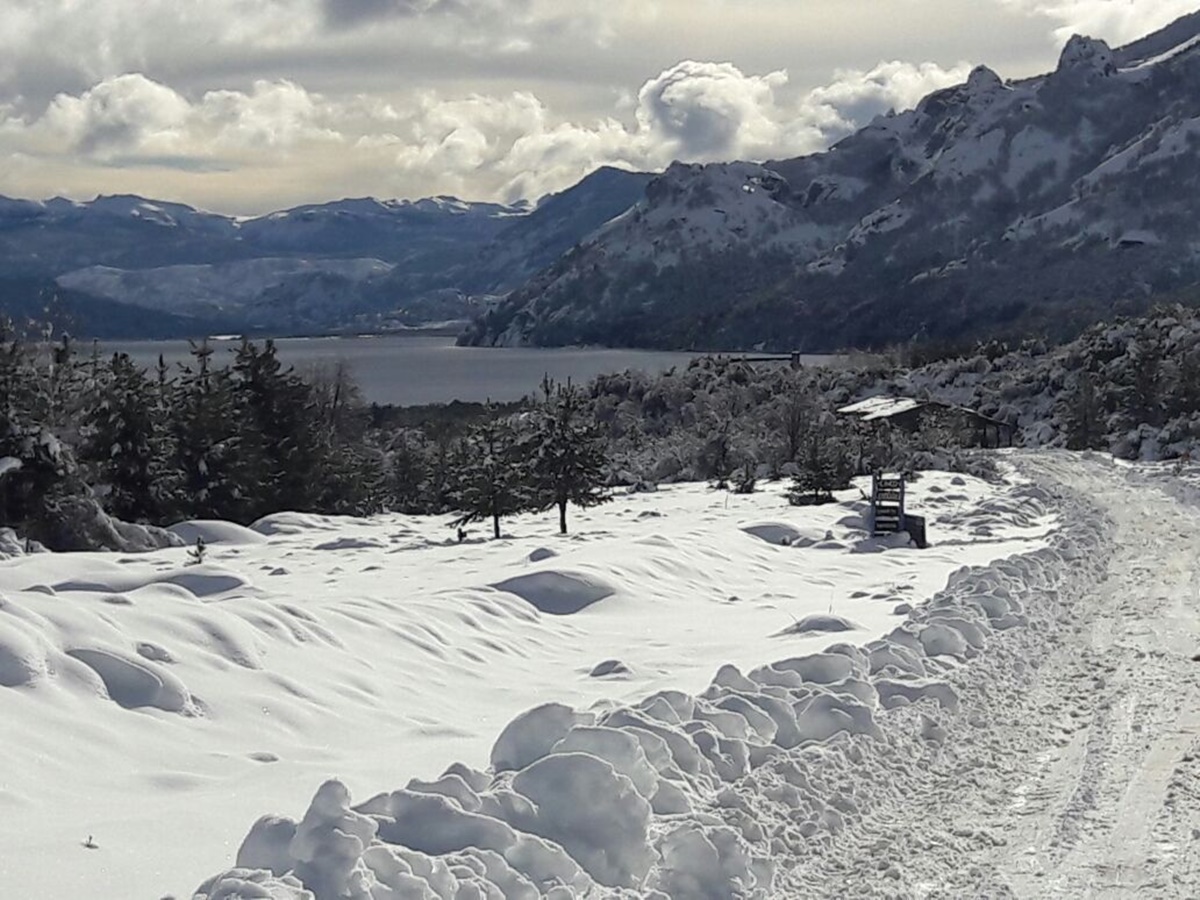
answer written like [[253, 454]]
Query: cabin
[[912, 414]]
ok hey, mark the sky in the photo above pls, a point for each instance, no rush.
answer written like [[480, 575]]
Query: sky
[[247, 106]]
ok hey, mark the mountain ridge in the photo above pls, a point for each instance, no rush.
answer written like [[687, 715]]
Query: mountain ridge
[[991, 207], [354, 264]]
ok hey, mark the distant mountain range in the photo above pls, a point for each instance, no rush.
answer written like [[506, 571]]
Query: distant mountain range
[[128, 266], [992, 209]]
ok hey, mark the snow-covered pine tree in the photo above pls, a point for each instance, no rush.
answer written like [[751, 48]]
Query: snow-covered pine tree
[[283, 446], [16, 380], [569, 458], [123, 442], [205, 436], [823, 464], [490, 475], [410, 471], [1082, 418]]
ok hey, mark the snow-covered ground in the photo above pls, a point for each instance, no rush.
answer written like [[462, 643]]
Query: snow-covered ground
[[1031, 727], [155, 709]]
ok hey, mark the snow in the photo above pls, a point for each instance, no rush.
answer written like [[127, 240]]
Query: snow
[[711, 206], [881, 221], [204, 288], [215, 532], [1187, 45], [969, 156], [1031, 148], [880, 407], [164, 707]]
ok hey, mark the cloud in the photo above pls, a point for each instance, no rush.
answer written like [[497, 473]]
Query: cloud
[[702, 110], [273, 114], [130, 117], [347, 13], [69, 44], [693, 111], [289, 144], [119, 115], [1116, 21], [855, 97]]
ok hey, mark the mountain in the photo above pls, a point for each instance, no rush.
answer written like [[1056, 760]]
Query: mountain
[[360, 264], [992, 208]]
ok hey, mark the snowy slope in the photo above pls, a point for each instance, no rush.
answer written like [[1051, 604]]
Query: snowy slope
[[163, 707], [933, 222], [234, 291]]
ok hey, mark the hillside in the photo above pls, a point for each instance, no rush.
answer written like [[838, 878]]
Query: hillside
[[991, 208], [356, 264]]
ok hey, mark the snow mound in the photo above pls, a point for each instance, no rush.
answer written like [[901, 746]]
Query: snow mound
[[134, 683], [349, 543], [784, 534], [819, 624], [290, 523], [200, 582], [557, 593], [609, 667], [215, 531], [593, 811], [22, 660]]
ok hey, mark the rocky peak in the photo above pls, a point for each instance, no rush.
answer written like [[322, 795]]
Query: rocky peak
[[983, 80], [1088, 56]]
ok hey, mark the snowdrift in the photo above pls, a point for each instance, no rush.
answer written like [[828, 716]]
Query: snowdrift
[[163, 707], [677, 796]]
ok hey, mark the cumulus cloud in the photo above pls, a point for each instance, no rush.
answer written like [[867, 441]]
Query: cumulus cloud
[[710, 110], [693, 111], [1117, 21], [119, 115], [130, 117], [482, 146], [855, 97]]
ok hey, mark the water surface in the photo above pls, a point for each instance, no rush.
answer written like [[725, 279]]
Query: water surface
[[415, 369]]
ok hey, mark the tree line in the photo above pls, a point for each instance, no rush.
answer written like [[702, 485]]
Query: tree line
[[86, 436]]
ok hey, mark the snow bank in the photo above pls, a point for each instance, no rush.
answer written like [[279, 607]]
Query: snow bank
[[557, 593], [214, 692], [215, 532], [683, 796]]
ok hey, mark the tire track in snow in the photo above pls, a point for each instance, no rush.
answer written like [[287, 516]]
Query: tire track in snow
[[1072, 768], [1143, 709]]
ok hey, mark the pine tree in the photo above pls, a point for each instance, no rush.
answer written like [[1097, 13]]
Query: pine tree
[[283, 448], [123, 442], [569, 453], [490, 480], [205, 439], [1083, 418], [36, 402], [16, 427], [823, 465]]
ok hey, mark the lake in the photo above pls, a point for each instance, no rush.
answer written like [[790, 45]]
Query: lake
[[414, 369]]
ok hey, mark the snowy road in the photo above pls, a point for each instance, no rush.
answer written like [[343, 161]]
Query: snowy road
[[1112, 806], [1077, 775]]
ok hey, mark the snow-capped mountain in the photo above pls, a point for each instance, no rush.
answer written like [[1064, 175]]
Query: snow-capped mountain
[[354, 263], [992, 207]]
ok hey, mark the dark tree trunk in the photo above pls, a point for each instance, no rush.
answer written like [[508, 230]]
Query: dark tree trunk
[[496, 524], [562, 516]]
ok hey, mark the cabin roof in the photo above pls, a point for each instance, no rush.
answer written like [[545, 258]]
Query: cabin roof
[[873, 409], [881, 407]]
